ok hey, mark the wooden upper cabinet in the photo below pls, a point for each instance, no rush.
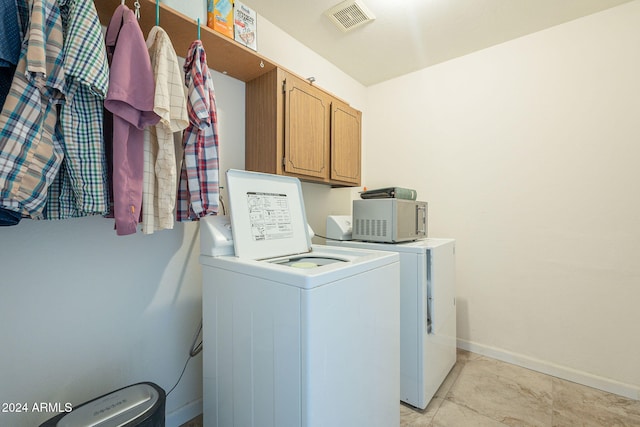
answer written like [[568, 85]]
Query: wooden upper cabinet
[[295, 128], [307, 118], [346, 125], [264, 123]]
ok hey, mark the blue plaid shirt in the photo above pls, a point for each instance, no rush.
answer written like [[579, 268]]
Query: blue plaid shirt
[[81, 186]]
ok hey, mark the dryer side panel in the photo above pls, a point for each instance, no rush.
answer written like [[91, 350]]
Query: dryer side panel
[[413, 284], [440, 341]]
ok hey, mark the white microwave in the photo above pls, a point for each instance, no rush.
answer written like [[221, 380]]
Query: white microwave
[[389, 220]]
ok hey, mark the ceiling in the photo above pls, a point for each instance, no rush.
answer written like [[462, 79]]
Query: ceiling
[[415, 34]]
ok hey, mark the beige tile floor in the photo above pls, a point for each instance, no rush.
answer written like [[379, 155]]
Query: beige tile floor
[[484, 392]]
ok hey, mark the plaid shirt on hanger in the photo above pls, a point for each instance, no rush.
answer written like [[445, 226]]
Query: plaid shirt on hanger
[[81, 186], [199, 185], [170, 103], [31, 149]]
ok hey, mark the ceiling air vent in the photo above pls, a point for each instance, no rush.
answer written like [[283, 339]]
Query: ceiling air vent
[[349, 14]]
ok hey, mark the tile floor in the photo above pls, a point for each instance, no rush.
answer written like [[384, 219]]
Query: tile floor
[[483, 392]]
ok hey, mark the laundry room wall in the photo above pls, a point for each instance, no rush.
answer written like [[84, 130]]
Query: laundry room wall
[[84, 312], [527, 153]]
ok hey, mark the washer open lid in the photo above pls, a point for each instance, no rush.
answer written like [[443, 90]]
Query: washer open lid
[[268, 219]]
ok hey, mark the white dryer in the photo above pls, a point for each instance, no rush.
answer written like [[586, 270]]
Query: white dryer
[[294, 334], [427, 314]]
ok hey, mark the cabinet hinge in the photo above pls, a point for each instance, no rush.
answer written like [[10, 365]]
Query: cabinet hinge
[[284, 86], [284, 161]]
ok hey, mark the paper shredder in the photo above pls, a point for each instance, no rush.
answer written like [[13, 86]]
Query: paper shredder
[[139, 405]]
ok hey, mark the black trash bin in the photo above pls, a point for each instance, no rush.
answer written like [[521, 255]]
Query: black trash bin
[[139, 405]]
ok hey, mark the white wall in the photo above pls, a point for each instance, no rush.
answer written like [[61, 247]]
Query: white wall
[[83, 311], [527, 153]]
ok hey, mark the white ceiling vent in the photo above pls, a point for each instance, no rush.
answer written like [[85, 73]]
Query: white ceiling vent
[[349, 14]]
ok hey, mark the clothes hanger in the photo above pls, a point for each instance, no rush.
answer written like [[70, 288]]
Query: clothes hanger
[[157, 13], [136, 4], [198, 28]]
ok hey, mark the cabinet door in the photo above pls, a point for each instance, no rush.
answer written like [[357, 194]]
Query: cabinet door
[[345, 143], [306, 129]]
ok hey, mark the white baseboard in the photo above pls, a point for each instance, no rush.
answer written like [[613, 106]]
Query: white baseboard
[[184, 414], [611, 386]]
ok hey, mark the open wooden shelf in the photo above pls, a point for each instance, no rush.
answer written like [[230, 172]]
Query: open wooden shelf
[[223, 54]]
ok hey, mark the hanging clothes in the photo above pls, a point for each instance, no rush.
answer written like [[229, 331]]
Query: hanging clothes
[[10, 41], [30, 145], [198, 192], [130, 101], [80, 187], [160, 171]]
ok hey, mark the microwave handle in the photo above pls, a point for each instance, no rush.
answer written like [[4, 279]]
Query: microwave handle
[[421, 220]]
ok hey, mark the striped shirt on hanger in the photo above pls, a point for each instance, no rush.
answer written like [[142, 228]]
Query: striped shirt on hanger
[[199, 189], [160, 170]]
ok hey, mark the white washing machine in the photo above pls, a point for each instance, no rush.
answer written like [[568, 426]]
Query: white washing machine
[[427, 313], [294, 334]]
